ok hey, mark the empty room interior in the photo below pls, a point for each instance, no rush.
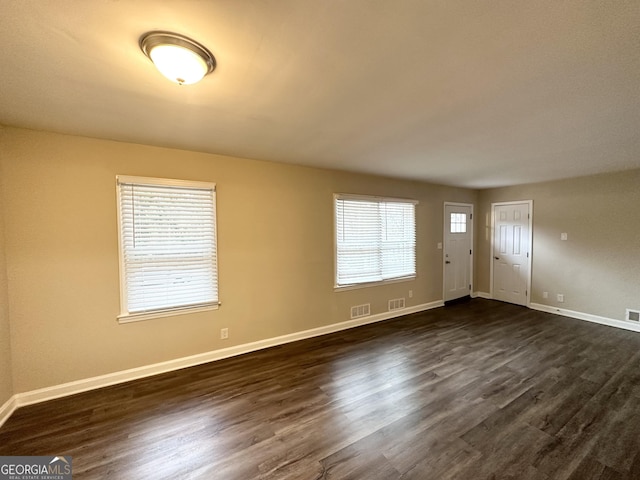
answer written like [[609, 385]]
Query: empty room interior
[[353, 239]]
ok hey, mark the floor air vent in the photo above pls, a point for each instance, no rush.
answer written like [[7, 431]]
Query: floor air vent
[[633, 315], [363, 310]]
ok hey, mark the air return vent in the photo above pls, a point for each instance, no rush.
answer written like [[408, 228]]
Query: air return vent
[[396, 304], [633, 315], [363, 310]]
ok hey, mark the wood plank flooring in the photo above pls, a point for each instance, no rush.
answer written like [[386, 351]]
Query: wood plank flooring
[[478, 390]]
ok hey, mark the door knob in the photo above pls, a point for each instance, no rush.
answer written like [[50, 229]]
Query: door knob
[[447, 262], [497, 258]]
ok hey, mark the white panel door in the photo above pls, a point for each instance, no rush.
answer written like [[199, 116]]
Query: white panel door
[[457, 251], [511, 252]]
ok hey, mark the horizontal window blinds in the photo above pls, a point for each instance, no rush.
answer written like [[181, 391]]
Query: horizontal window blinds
[[375, 239], [168, 246]]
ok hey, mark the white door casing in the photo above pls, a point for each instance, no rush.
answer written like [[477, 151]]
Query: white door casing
[[511, 252], [458, 250]]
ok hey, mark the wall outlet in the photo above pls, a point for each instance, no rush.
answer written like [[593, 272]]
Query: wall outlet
[[439, 245], [224, 333], [410, 293], [563, 236], [545, 294], [561, 298]]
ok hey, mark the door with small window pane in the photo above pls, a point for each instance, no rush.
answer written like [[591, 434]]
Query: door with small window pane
[[458, 253]]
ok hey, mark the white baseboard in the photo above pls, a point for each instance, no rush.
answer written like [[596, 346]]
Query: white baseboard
[[78, 386], [7, 409], [611, 322], [481, 295]]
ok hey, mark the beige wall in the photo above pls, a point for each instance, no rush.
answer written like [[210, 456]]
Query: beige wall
[[59, 252], [275, 237], [598, 267], [6, 378]]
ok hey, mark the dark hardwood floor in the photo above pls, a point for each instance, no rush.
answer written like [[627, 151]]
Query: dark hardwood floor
[[477, 390]]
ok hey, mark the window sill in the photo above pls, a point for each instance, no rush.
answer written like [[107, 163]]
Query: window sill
[[356, 286], [139, 317]]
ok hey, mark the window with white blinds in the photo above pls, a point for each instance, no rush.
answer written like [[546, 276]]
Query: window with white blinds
[[168, 261], [375, 239]]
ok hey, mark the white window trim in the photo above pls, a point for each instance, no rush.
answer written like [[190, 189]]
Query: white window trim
[[356, 286], [139, 317], [125, 316]]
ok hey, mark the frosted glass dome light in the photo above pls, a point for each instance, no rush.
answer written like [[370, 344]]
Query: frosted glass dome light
[[180, 59]]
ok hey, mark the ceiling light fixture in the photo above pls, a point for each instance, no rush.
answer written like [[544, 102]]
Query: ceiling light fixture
[[180, 59]]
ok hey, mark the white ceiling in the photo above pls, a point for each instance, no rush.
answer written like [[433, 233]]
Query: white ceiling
[[461, 92]]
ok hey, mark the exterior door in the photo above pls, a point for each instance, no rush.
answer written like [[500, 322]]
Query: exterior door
[[511, 252], [458, 254]]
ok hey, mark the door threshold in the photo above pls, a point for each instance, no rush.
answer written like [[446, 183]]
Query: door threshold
[[456, 301]]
